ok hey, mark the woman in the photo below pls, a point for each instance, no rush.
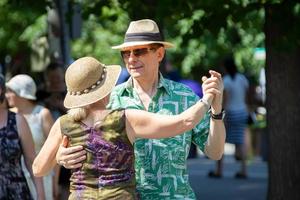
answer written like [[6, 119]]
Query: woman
[[21, 96], [235, 94], [107, 135], [15, 141]]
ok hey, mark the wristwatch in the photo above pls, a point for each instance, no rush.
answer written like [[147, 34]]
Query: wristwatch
[[205, 102], [219, 116]]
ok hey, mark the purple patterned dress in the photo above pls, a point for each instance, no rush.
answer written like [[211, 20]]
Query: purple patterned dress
[[108, 171], [13, 185]]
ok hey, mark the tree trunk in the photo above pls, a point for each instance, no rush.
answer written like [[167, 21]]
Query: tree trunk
[[283, 100]]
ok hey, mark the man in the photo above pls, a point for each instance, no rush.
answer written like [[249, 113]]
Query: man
[[160, 163]]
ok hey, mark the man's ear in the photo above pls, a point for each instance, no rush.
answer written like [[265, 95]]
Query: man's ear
[[161, 53]]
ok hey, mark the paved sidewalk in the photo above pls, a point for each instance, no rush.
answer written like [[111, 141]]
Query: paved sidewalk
[[228, 188]]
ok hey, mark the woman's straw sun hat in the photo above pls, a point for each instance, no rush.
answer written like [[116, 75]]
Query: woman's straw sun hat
[[88, 81]]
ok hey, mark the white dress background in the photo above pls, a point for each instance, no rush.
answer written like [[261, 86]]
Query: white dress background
[[34, 121]]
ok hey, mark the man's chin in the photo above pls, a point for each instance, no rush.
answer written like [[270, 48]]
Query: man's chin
[[135, 75]]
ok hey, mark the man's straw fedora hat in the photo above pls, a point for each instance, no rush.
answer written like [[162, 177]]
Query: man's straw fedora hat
[[142, 32], [88, 81]]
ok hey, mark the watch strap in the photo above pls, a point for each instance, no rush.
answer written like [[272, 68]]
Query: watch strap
[[205, 102], [219, 116]]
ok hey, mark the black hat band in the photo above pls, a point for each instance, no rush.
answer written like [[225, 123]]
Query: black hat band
[[135, 37]]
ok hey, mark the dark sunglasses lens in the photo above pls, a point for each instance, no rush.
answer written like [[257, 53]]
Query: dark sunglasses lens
[[140, 52], [125, 54], [136, 52]]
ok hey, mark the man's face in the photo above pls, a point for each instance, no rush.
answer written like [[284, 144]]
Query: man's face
[[142, 62]]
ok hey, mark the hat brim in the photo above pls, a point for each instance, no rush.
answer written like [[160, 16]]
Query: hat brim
[[96, 94], [139, 43]]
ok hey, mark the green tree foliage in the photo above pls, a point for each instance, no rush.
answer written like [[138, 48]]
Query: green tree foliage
[[203, 31], [16, 16], [206, 31], [104, 24]]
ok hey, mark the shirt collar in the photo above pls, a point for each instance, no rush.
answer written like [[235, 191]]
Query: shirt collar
[[162, 84]]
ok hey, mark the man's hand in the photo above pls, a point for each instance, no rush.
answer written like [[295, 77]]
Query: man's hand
[[70, 157], [214, 86]]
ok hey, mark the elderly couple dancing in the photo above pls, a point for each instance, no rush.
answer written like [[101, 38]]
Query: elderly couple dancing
[[131, 141]]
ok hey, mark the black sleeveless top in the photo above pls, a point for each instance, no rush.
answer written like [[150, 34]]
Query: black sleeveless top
[[13, 184]]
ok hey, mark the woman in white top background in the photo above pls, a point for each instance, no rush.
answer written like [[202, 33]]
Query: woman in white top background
[[236, 88], [21, 96]]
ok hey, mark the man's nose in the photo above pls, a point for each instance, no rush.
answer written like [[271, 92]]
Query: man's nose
[[132, 57]]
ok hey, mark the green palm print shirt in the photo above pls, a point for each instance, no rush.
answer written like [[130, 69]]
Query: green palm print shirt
[[160, 164]]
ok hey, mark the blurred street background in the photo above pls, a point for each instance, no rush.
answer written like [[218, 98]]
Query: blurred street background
[[228, 187]]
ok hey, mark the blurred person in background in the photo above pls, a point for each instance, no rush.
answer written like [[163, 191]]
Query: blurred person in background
[[21, 96], [15, 141], [236, 120], [55, 89]]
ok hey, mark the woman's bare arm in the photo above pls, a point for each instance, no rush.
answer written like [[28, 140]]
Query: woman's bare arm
[[214, 147], [45, 160], [28, 152], [150, 125]]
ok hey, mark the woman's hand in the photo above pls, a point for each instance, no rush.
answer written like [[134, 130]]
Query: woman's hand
[[214, 86]]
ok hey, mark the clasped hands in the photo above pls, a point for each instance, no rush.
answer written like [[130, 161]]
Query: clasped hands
[[212, 88]]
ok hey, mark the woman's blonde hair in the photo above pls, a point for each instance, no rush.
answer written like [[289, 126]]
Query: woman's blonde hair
[[78, 114]]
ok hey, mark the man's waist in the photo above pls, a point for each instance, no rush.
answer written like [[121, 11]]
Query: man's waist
[[163, 192]]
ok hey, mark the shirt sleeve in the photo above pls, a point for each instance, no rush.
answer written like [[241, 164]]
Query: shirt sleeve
[[114, 100], [201, 130]]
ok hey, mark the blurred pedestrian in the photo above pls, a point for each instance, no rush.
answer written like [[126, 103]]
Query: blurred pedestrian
[[21, 96], [235, 94], [15, 141], [55, 89]]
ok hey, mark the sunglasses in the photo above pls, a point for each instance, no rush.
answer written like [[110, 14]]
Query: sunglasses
[[136, 52]]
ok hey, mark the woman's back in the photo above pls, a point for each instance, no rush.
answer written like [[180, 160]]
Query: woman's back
[[236, 90], [108, 171]]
